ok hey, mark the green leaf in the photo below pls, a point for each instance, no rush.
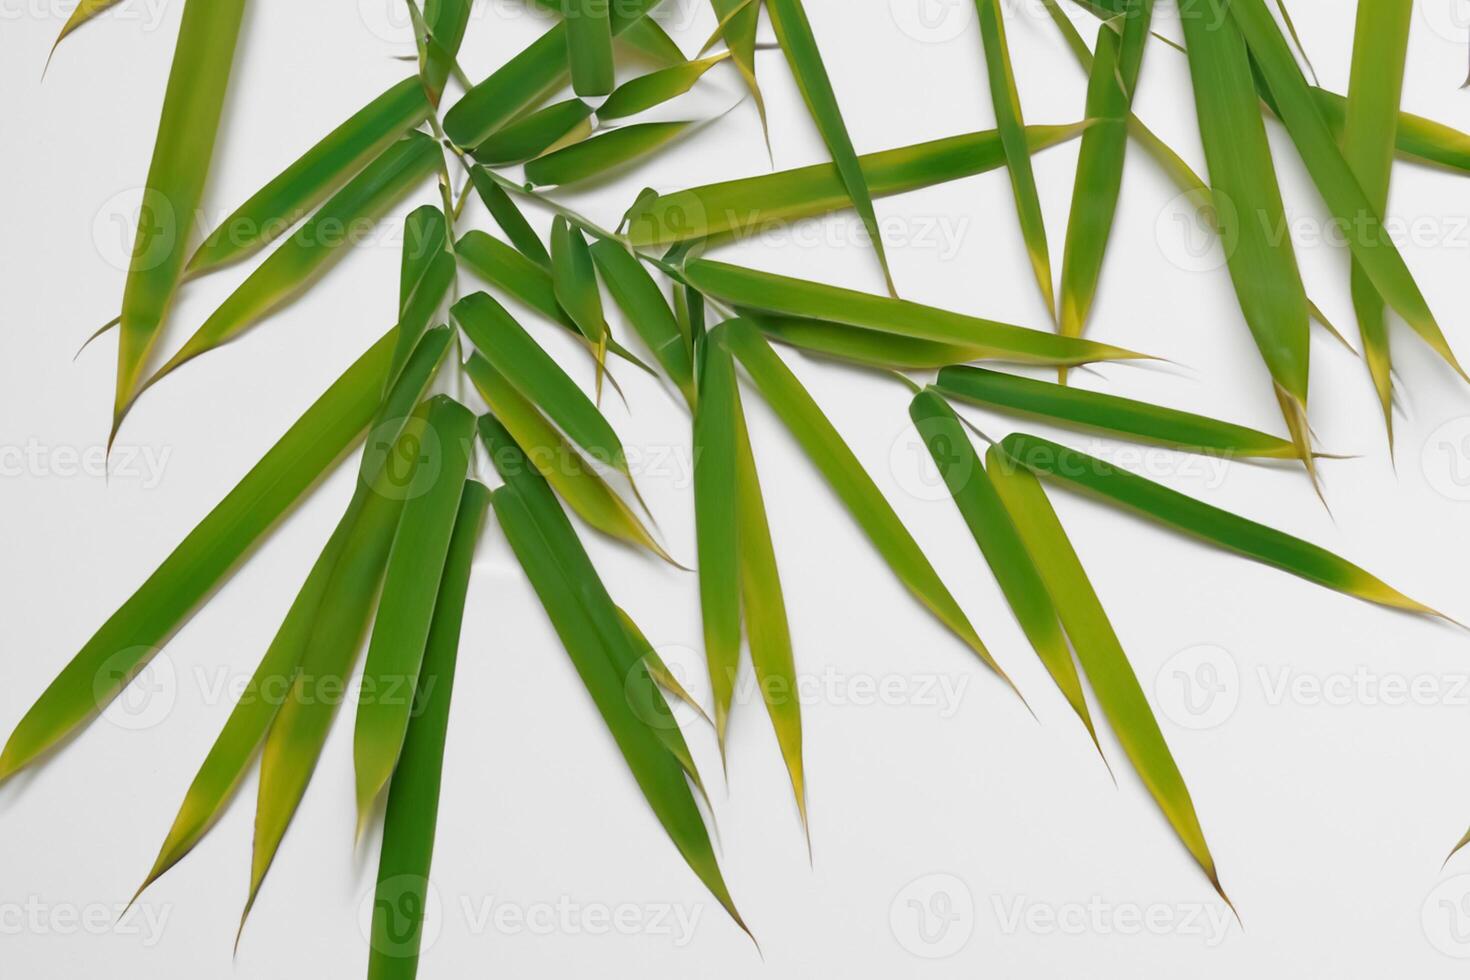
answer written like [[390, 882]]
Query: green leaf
[[341, 221], [1095, 188], [1101, 654], [574, 280], [589, 46], [1093, 411], [1380, 51], [602, 153], [533, 372], [509, 217], [1247, 200], [84, 11], [716, 521], [1197, 518], [192, 105], [410, 587], [594, 636], [406, 855], [646, 91], [1416, 138], [835, 461], [233, 750], [274, 209], [641, 300], [744, 206], [131, 636], [428, 272], [446, 21], [794, 33], [747, 288], [765, 617], [1370, 242], [1006, 102], [868, 347], [526, 78], [556, 125], [574, 480], [738, 20], [986, 517]]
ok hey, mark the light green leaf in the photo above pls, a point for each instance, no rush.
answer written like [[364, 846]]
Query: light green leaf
[[640, 299], [558, 124], [602, 153], [509, 217], [646, 91]]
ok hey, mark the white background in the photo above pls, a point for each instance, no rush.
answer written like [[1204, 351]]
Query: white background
[[941, 823]]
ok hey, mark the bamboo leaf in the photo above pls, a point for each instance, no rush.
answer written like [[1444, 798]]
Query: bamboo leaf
[[84, 11], [835, 461], [274, 209], [512, 352], [133, 634], [230, 756], [1370, 242], [1201, 520], [305, 254], [640, 299], [559, 464], [868, 347], [428, 272], [716, 523], [646, 37], [509, 217], [1009, 122], [589, 46], [1261, 260], [410, 586], [738, 21], [594, 635], [530, 75], [574, 280], [407, 851], [192, 105], [765, 616], [747, 288], [1101, 654], [794, 33], [1380, 52], [1415, 138], [744, 206], [446, 22], [646, 91], [1094, 411], [602, 153], [1001, 545], [556, 125]]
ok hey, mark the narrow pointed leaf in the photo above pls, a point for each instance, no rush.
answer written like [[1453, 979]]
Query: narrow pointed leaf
[[557, 461], [1201, 520], [1000, 543], [230, 756], [738, 21], [794, 33], [318, 242], [1095, 411], [1009, 122], [406, 856], [763, 291], [716, 523], [870, 347], [574, 280], [602, 153], [749, 204], [1369, 240], [510, 218], [835, 461], [84, 11], [410, 586], [640, 299], [536, 133], [274, 209], [512, 352], [646, 91], [589, 46], [428, 272], [1103, 660], [133, 634], [192, 105], [1416, 138], [446, 21]]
